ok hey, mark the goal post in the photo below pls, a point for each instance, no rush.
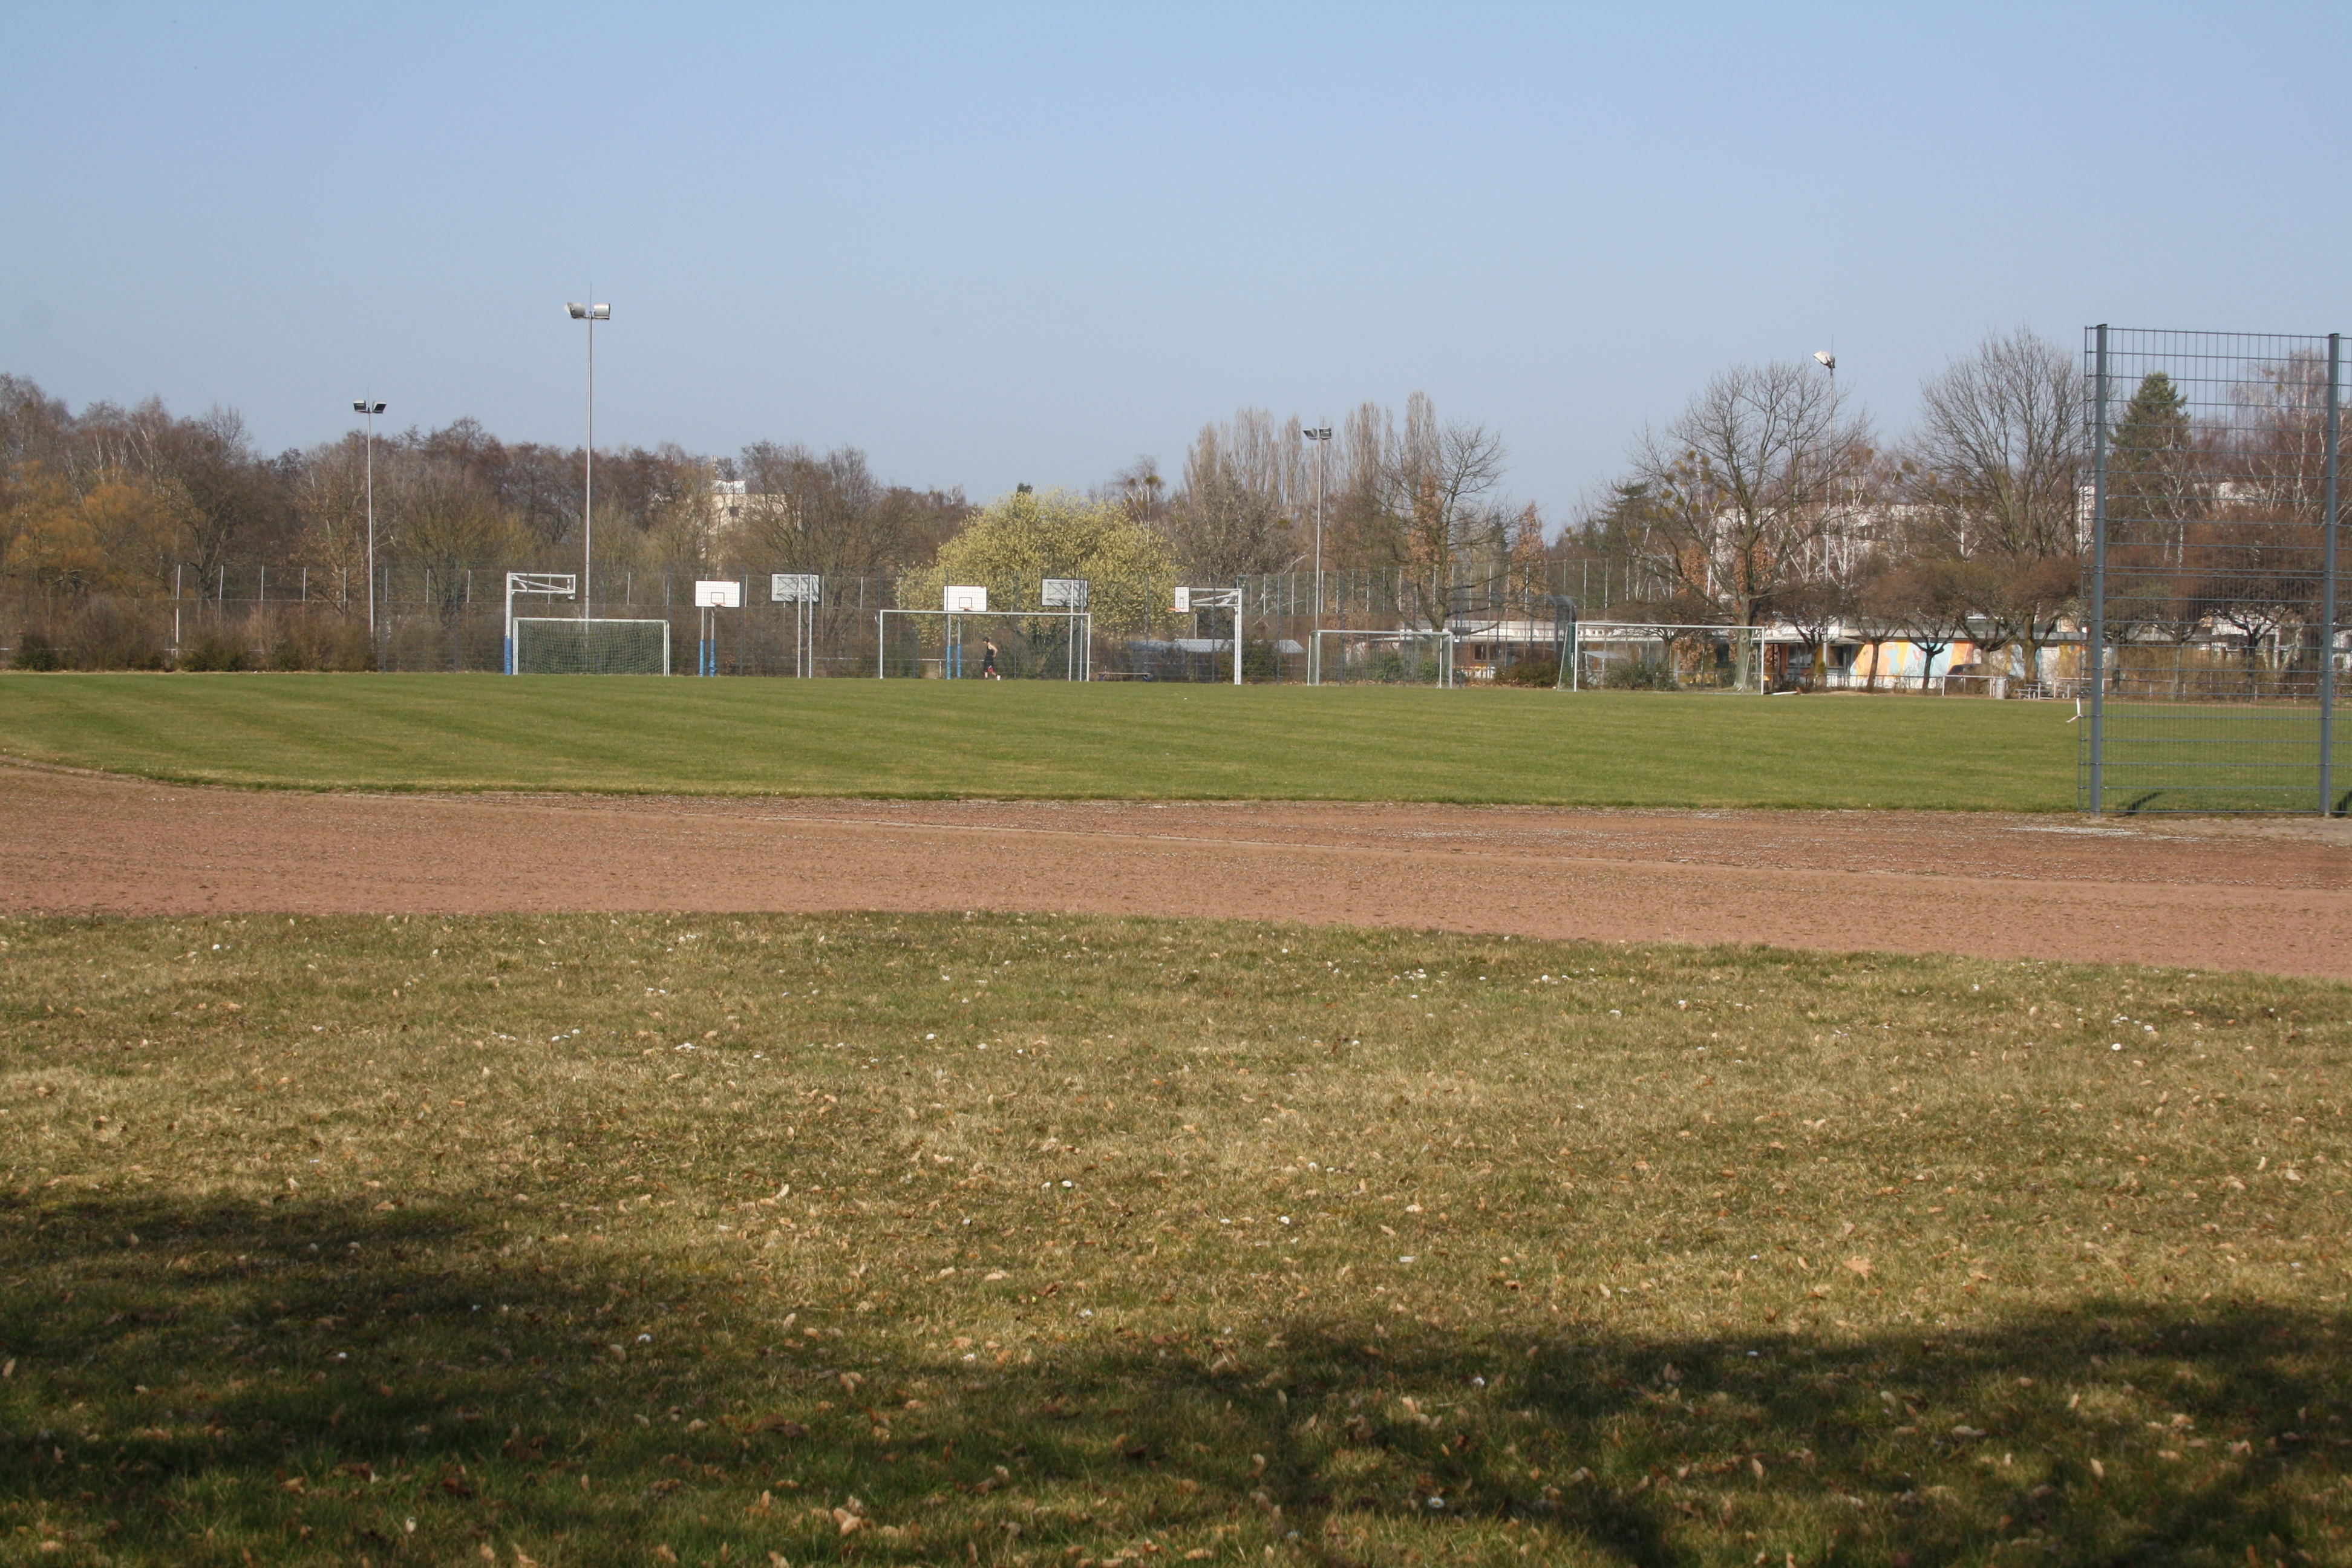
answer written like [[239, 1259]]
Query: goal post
[[569, 646], [953, 644], [1190, 601], [550, 585]]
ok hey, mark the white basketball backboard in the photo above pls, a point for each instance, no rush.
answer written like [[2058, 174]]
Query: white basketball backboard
[[964, 601], [1183, 601], [1065, 592], [795, 587], [718, 595]]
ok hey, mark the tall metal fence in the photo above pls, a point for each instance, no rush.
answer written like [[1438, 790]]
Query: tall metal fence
[[1503, 613], [2216, 654]]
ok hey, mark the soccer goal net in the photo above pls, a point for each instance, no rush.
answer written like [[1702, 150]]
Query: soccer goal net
[[985, 645], [569, 646], [1347, 657], [1634, 657]]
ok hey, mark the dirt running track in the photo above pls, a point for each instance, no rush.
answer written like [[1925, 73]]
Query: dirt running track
[[2201, 896]]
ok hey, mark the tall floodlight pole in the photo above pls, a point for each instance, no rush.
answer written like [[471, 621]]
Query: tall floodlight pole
[[592, 315], [1828, 358], [371, 409], [1321, 438]]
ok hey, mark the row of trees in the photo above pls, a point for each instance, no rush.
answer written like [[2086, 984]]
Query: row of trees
[[111, 500], [1768, 497], [1771, 498], [1417, 495], [134, 501]]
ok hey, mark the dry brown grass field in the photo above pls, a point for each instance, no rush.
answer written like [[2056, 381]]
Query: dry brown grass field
[[597, 1240]]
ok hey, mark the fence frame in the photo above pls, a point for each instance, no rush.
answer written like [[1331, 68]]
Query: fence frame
[[2201, 467]]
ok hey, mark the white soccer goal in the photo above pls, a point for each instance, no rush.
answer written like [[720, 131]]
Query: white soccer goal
[[1656, 657], [569, 646], [1348, 658], [956, 645], [530, 584]]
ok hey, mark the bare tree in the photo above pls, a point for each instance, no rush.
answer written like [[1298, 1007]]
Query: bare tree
[[2276, 498], [1427, 504], [1875, 614], [437, 515], [2000, 448], [1740, 485], [1928, 601], [2254, 575], [813, 512], [233, 503], [1139, 490], [1996, 471], [684, 528], [446, 521], [827, 513], [1816, 610], [1233, 511], [330, 485]]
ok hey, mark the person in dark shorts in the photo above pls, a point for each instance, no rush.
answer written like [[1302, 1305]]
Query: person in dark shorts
[[987, 661]]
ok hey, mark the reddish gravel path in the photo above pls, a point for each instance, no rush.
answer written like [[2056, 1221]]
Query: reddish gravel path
[[2271, 897]]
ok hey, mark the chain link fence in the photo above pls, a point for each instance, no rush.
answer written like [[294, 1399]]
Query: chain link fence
[[1503, 617], [2210, 597]]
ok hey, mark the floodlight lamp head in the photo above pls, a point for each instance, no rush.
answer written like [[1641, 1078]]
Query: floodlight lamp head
[[376, 408], [579, 311], [359, 408], [1828, 360], [600, 312]]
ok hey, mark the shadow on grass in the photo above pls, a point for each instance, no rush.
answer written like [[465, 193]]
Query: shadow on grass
[[313, 1381]]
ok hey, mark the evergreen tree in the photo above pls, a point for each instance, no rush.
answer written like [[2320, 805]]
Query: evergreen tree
[[2149, 463]]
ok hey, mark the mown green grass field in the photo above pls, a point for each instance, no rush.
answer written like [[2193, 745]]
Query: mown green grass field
[[586, 1241], [1006, 740]]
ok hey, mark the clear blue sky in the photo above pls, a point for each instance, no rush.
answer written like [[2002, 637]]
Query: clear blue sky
[[991, 243]]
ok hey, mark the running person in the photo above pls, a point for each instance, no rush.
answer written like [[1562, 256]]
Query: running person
[[987, 661]]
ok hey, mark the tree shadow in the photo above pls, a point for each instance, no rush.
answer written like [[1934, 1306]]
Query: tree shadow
[[327, 1380]]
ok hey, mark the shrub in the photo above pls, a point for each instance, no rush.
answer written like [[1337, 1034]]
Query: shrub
[[213, 651], [113, 633], [1530, 672], [35, 651], [1640, 673]]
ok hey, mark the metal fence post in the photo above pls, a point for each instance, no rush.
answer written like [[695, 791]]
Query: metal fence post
[[2327, 520], [2095, 635]]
